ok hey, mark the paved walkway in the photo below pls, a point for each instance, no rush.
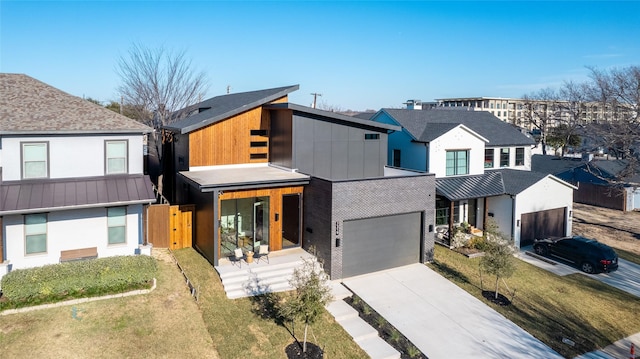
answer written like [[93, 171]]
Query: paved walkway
[[441, 319]]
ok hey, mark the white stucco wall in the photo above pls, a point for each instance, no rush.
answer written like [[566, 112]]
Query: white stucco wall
[[70, 156], [456, 139], [67, 230]]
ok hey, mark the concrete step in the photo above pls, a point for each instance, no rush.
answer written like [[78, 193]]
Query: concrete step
[[341, 310], [377, 348], [339, 291], [255, 290], [358, 329]]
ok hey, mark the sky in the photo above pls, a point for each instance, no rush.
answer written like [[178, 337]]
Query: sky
[[360, 55]]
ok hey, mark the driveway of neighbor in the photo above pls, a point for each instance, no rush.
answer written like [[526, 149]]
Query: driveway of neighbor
[[441, 319], [626, 278]]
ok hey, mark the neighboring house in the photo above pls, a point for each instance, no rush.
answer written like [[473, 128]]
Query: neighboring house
[[482, 167], [72, 182], [261, 170], [599, 182]]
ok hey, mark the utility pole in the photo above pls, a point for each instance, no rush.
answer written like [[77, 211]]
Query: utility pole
[[315, 98]]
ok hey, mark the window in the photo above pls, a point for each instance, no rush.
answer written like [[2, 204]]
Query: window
[[371, 136], [258, 143], [35, 230], [520, 156], [396, 158], [259, 132], [116, 157], [488, 158], [504, 157], [35, 160], [457, 162], [257, 156], [117, 224]]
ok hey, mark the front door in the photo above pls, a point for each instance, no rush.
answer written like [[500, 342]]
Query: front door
[[290, 220]]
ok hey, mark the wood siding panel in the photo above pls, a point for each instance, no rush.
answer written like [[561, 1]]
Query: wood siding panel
[[229, 141], [275, 206]]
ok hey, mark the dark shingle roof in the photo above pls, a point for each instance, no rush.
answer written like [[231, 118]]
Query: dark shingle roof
[[222, 107], [516, 181], [29, 106], [499, 133], [617, 169], [475, 186], [554, 164], [68, 193]]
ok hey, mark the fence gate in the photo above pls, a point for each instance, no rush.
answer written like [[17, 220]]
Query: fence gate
[[170, 226]]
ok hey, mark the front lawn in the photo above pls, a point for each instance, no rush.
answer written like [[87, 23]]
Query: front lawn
[[241, 329], [587, 312]]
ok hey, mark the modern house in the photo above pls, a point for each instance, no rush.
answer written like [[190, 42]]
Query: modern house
[[71, 177], [482, 167], [609, 183], [261, 170]]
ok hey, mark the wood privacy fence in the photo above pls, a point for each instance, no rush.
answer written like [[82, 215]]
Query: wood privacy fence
[[170, 226], [601, 196]]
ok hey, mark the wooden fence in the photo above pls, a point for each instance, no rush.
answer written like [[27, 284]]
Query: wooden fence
[[170, 226], [601, 196]]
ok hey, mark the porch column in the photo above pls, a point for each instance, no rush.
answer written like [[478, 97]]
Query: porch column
[[216, 226], [485, 215], [451, 212]]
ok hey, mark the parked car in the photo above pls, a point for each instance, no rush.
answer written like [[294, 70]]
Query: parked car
[[589, 255]]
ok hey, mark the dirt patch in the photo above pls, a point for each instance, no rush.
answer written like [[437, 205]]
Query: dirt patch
[[615, 228]]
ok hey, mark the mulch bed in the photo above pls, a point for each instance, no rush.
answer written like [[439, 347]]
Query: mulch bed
[[491, 296], [294, 351], [386, 331]]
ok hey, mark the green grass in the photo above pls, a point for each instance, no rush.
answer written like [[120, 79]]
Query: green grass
[[241, 328], [589, 312]]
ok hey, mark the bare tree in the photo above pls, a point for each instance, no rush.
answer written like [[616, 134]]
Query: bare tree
[[617, 95], [158, 82], [539, 112]]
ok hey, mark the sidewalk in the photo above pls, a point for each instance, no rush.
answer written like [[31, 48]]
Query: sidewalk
[[618, 350]]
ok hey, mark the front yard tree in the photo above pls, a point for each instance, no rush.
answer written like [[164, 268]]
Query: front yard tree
[[311, 294], [498, 259]]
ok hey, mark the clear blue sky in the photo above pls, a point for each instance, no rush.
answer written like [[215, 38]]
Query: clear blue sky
[[359, 55]]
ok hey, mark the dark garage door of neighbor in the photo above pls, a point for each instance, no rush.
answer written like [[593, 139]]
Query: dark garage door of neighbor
[[379, 243], [542, 224]]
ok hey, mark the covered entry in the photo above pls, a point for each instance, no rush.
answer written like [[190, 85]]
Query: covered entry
[[379, 243], [542, 224]]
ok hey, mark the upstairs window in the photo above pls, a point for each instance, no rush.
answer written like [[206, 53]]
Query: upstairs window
[[520, 156], [35, 160], [117, 224], [116, 157], [504, 157], [35, 231], [488, 158], [457, 162], [371, 136]]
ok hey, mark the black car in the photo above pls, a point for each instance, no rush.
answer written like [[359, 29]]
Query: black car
[[588, 254]]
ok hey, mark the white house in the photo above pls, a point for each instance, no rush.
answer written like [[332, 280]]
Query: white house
[[72, 181], [483, 169]]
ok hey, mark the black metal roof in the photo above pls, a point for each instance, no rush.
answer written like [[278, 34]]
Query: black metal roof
[[18, 197], [222, 107], [475, 186], [419, 123], [516, 181]]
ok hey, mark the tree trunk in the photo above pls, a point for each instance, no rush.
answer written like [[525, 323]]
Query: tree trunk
[[497, 285], [304, 343]]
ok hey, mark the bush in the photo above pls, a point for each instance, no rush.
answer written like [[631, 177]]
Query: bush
[[78, 279]]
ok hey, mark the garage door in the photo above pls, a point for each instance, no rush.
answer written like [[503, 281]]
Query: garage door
[[379, 243], [542, 224]]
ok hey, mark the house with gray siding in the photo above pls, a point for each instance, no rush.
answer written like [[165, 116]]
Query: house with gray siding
[[72, 183], [262, 170]]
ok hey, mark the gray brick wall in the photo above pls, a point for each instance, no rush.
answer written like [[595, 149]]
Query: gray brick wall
[[358, 199]]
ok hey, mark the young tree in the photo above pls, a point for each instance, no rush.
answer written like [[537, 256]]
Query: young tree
[[498, 259], [311, 294]]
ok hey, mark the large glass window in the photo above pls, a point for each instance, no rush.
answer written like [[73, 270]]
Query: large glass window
[[488, 157], [116, 157], [457, 162], [117, 224], [35, 229], [244, 223], [34, 160], [520, 156], [504, 157], [443, 209]]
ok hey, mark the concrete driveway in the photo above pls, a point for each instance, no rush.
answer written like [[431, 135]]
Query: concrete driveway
[[441, 319], [626, 278]]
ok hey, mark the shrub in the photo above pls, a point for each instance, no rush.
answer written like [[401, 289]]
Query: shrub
[[85, 278]]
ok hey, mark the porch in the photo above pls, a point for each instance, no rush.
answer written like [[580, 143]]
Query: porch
[[242, 279]]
